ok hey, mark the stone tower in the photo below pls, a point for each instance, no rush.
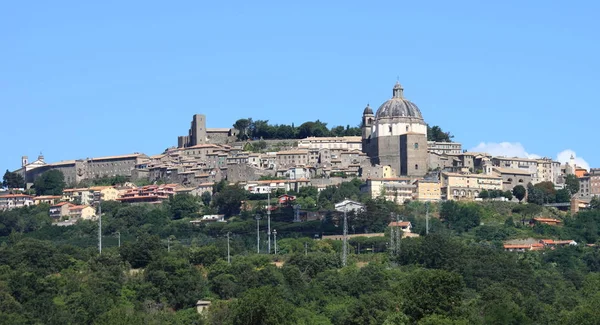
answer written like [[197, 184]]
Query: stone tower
[[368, 120]]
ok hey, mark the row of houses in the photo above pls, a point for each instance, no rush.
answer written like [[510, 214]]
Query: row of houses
[[540, 245]]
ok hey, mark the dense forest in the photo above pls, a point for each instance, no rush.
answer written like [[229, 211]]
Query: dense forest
[[261, 129], [155, 265]]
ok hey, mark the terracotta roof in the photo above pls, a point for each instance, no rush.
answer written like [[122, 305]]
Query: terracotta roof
[[547, 220], [61, 204], [389, 179], [47, 197], [399, 224], [78, 207], [8, 196]]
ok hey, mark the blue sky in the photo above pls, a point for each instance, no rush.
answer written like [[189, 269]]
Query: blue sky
[[83, 79]]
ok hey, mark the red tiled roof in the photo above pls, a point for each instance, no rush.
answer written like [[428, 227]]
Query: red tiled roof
[[15, 196], [399, 224]]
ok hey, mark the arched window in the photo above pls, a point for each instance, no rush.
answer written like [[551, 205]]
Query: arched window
[[416, 166], [416, 145], [510, 180], [407, 128], [520, 180]]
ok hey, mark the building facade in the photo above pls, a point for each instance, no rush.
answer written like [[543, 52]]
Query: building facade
[[444, 147], [467, 186], [396, 189], [427, 190], [346, 143], [12, 201]]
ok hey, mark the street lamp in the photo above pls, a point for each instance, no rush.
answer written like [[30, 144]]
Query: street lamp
[[257, 217], [275, 239]]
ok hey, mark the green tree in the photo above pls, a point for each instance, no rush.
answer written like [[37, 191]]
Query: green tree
[[519, 192], [484, 194], [435, 133], [508, 195], [572, 184], [51, 182], [206, 197], [179, 282], [263, 306], [563, 196], [13, 180], [229, 200], [183, 206], [242, 125], [429, 292], [595, 203]]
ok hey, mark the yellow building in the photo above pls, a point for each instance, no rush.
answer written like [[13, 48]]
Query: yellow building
[[48, 199], [80, 195], [467, 186], [109, 193], [395, 189], [427, 190], [85, 212]]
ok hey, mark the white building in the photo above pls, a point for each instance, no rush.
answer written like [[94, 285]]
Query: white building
[[346, 143], [11, 201], [349, 205]]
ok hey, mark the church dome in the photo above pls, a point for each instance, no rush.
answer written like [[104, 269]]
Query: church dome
[[368, 110], [398, 106]]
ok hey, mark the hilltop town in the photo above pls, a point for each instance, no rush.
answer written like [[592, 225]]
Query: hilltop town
[[394, 153]]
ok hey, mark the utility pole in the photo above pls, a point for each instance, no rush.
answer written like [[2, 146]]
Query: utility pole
[[398, 230], [305, 249], [345, 245], [228, 256], [392, 236], [427, 218], [269, 221], [98, 199], [119, 234], [257, 217], [169, 244], [275, 239]]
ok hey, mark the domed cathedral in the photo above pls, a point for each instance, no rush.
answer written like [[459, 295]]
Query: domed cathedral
[[396, 135]]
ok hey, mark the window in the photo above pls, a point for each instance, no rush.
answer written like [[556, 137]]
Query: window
[[407, 128], [416, 145], [416, 166], [390, 127]]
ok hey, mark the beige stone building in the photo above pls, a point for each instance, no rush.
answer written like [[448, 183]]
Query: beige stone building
[[427, 190], [84, 212], [346, 143], [541, 170], [395, 189], [80, 195], [291, 158], [444, 147], [466, 185], [109, 193], [595, 181], [512, 177], [46, 199]]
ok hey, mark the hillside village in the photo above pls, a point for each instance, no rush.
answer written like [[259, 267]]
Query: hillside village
[[395, 158]]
